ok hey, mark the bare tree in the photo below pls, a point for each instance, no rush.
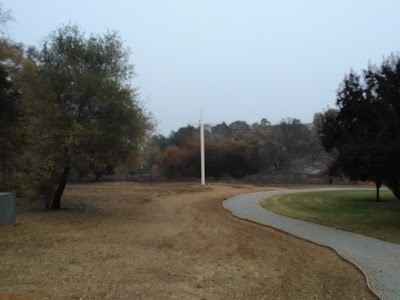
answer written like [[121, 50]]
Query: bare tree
[[5, 17]]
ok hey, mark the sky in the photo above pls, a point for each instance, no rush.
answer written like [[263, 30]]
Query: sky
[[233, 59]]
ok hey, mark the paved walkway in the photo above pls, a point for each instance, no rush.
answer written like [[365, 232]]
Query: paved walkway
[[379, 260]]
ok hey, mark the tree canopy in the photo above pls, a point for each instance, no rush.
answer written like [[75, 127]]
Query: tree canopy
[[365, 131], [10, 62], [79, 108], [237, 149]]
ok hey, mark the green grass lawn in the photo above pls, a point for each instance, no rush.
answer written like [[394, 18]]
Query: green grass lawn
[[351, 210]]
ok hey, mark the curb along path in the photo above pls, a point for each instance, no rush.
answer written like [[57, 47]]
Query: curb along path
[[379, 260]]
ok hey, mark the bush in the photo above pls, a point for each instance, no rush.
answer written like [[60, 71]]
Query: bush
[[26, 186]]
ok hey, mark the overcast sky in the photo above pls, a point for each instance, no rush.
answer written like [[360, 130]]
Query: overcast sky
[[235, 59]]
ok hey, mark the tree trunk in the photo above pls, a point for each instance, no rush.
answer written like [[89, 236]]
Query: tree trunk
[[312, 162], [98, 175], [60, 189], [378, 186], [275, 165]]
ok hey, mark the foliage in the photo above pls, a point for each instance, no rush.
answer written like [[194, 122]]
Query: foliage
[[10, 62], [225, 157], [222, 130], [179, 137], [172, 160], [79, 109], [284, 142], [9, 115], [11, 131], [235, 150], [365, 131]]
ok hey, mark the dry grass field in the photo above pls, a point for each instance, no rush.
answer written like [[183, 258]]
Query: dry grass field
[[162, 241]]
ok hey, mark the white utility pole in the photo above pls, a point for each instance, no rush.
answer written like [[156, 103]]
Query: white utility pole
[[202, 151]]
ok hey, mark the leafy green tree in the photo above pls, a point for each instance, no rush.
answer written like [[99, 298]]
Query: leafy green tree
[[365, 132], [382, 86], [9, 115], [295, 136], [10, 62], [179, 137], [79, 108], [240, 130], [282, 143], [162, 142], [222, 130], [313, 146]]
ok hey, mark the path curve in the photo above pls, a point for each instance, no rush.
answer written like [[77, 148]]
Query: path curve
[[379, 260]]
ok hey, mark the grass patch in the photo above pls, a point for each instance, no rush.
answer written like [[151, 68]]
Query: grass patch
[[350, 210]]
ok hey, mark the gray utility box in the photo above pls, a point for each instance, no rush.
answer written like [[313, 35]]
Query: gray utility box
[[7, 208]]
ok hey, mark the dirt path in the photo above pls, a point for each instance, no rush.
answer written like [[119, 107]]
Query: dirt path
[[162, 241]]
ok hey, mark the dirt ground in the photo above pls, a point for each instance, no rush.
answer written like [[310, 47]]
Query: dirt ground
[[162, 241]]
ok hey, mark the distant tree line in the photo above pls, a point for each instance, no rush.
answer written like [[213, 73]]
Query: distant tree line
[[238, 149]]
